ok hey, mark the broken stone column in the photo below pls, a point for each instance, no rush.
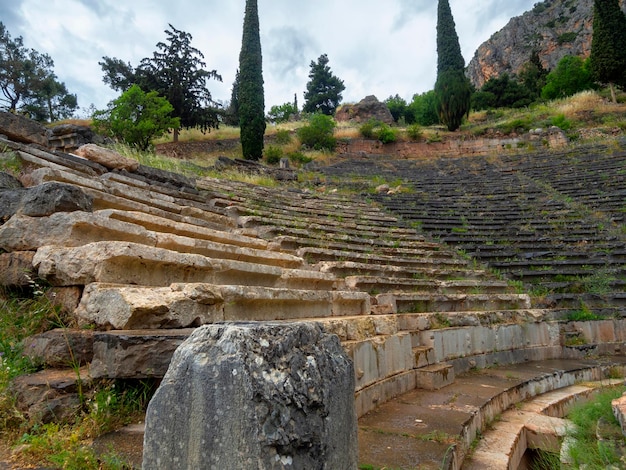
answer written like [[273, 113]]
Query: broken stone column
[[254, 395]]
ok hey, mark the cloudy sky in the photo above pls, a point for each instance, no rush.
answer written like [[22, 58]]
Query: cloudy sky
[[381, 48]]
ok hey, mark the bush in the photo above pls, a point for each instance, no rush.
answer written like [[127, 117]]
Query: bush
[[136, 118], [273, 154], [319, 133], [283, 137], [386, 134], [561, 121], [367, 128], [299, 158], [414, 132]]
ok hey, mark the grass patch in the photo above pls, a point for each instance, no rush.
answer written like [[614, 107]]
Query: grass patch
[[590, 419], [106, 407]]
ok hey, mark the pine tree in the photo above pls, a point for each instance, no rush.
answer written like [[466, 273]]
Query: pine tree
[[323, 91], [608, 45], [250, 94], [452, 89]]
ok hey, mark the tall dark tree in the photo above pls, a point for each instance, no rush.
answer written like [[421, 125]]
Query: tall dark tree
[[251, 94], [452, 89], [231, 114], [177, 72], [608, 45], [323, 91], [28, 83]]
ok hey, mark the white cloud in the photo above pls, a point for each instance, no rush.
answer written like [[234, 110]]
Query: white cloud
[[382, 49]]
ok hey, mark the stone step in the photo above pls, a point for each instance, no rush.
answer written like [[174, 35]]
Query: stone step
[[316, 255], [105, 198], [459, 413], [374, 284], [190, 305], [289, 237], [78, 228], [380, 357], [51, 395], [435, 376], [132, 263], [322, 226], [344, 269], [421, 303], [134, 354], [342, 243], [536, 424]]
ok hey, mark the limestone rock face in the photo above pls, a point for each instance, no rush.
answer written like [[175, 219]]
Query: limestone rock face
[[21, 129], [107, 158], [366, 109], [270, 395], [556, 29]]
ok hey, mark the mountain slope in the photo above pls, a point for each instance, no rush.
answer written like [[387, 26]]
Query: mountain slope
[[555, 28]]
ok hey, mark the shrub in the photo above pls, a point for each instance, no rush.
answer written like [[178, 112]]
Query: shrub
[[299, 157], [386, 134], [414, 132], [136, 118], [561, 121], [273, 154], [367, 128], [283, 137], [319, 133]]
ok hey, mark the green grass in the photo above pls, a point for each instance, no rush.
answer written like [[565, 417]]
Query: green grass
[[587, 451], [108, 406]]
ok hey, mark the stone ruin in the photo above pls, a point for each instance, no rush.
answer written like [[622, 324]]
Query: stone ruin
[[144, 258], [249, 395]]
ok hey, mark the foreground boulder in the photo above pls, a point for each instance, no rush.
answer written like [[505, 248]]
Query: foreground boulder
[[270, 395]]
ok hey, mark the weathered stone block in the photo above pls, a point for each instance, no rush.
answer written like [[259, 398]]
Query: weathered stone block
[[268, 395], [60, 347], [107, 158], [136, 354], [21, 129], [16, 269]]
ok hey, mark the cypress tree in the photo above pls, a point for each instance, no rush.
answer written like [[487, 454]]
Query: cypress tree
[[452, 89], [250, 93], [608, 45]]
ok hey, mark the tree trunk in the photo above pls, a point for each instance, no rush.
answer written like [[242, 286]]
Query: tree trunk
[[176, 131]]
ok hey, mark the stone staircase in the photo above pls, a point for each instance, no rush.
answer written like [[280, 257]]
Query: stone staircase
[[553, 221], [161, 254]]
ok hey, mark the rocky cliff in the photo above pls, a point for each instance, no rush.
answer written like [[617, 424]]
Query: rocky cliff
[[555, 28]]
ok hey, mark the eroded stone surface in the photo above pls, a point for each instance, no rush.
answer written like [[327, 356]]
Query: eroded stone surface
[[107, 158], [267, 395]]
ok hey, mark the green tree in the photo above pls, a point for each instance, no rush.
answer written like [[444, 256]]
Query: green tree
[[281, 113], [452, 89], [28, 83], [608, 44], [533, 75], [318, 134], [397, 107], [136, 117], [177, 72], [570, 76], [251, 94], [52, 102], [423, 109], [501, 92], [323, 90], [231, 114]]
